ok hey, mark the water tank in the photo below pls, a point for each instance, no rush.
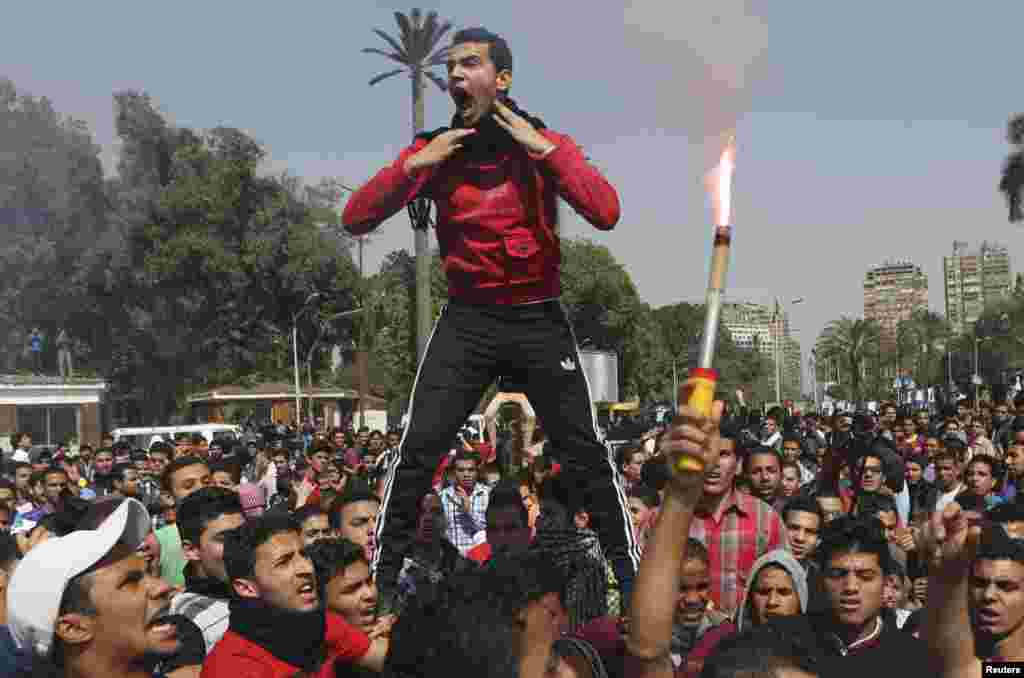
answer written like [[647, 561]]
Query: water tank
[[602, 370]]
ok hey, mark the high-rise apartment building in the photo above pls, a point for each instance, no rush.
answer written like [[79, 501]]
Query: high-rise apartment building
[[974, 280], [892, 292], [766, 328]]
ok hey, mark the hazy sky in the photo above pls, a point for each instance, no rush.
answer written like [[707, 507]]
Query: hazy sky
[[866, 130]]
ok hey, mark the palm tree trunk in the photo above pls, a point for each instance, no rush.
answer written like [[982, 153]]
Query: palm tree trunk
[[423, 305]]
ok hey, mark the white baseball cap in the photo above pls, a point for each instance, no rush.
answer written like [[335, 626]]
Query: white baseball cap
[[37, 586]]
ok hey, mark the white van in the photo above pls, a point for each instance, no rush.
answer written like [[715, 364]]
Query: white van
[[144, 437]]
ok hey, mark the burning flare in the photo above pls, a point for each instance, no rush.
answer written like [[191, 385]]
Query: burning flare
[[719, 184]]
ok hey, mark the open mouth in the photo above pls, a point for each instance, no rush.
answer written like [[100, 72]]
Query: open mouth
[[161, 628], [307, 593]]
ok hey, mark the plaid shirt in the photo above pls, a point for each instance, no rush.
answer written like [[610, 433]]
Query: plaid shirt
[[738, 533], [466, 529]]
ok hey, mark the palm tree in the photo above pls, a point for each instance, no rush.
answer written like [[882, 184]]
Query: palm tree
[[1012, 183], [852, 345], [415, 50], [920, 341]]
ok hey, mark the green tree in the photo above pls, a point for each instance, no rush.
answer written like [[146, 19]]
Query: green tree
[[852, 344], [607, 314], [1012, 182], [394, 342], [52, 212], [921, 342], [214, 262], [748, 369], [416, 52]]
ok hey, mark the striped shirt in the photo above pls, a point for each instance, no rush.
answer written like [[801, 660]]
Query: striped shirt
[[741, 530], [466, 529], [211, 615]]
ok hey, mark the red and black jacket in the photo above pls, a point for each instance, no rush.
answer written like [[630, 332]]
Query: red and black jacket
[[496, 211]]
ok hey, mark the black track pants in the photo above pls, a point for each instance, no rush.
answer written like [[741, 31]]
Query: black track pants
[[469, 348]]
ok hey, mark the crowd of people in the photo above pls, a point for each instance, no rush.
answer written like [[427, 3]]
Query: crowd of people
[[816, 545], [799, 546]]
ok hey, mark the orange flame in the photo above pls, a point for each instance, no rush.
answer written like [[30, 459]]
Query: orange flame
[[719, 184]]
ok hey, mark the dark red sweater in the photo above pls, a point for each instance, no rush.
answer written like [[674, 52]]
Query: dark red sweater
[[496, 218]]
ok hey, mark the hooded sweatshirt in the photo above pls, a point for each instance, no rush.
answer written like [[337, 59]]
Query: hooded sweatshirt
[[785, 560], [708, 642]]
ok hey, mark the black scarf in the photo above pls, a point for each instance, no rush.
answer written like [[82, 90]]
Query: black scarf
[[211, 587], [490, 138], [296, 638]]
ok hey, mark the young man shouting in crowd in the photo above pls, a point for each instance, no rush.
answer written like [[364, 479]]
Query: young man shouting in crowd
[[975, 604], [278, 627], [85, 606], [346, 586], [495, 177], [737, 527]]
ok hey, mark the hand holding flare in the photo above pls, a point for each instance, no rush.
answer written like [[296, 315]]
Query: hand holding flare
[[698, 392]]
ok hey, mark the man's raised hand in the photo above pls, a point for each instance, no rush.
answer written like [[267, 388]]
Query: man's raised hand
[[438, 150], [521, 129], [952, 538], [692, 435]]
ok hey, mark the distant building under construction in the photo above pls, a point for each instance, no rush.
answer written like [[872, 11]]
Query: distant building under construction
[[892, 292]]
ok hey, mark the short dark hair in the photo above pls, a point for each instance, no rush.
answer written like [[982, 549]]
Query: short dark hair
[[240, 545], [204, 506], [227, 466], [854, 534], [645, 494], [918, 459], [332, 557], [766, 451], [696, 550], [304, 513], [997, 545], [353, 492], [497, 47], [118, 471], [803, 503], [993, 464], [320, 447], [161, 447], [872, 504], [176, 465], [472, 615], [655, 474], [763, 651], [21, 434], [1008, 512], [466, 455]]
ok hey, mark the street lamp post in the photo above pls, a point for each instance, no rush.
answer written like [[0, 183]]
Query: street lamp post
[[778, 344], [295, 354]]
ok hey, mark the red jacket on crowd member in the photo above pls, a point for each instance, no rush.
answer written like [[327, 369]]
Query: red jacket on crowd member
[[235, 656], [496, 215]]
